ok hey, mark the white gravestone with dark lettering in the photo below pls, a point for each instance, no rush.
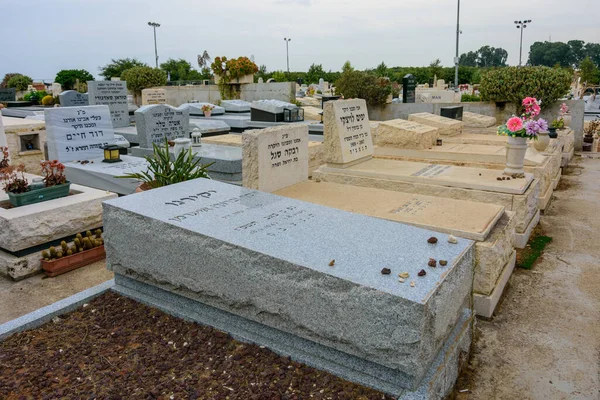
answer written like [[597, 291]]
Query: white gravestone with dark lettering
[[157, 121], [154, 96], [114, 95], [347, 131], [274, 158], [70, 98], [78, 133]]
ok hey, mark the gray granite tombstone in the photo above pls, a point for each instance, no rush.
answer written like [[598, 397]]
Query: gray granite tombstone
[[156, 122], [114, 95], [70, 98], [8, 94]]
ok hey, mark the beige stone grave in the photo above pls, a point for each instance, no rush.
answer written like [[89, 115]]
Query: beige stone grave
[[312, 113], [474, 120], [315, 149], [20, 130], [447, 126], [154, 96], [544, 166], [406, 134]]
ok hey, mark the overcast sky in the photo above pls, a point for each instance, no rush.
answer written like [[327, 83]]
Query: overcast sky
[[41, 37]]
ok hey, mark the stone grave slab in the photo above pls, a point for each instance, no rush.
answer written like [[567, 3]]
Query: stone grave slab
[[209, 126], [78, 132], [195, 109], [447, 126], [114, 95], [236, 106], [406, 134], [154, 96], [8, 94], [474, 120], [276, 270], [463, 183], [24, 228], [347, 132], [102, 176], [271, 106], [155, 122], [70, 98], [273, 158]]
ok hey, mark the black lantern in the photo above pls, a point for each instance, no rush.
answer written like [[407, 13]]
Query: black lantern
[[111, 154], [293, 114]]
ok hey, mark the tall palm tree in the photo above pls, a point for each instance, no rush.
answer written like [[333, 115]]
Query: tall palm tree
[[203, 60]]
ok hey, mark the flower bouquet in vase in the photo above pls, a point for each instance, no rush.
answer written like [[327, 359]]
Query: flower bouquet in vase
[[207, 110], [519, 130]]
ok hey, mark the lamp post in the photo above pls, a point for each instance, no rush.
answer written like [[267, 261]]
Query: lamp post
[[521, 25], [456, 59], [155, 25], [287, 51]]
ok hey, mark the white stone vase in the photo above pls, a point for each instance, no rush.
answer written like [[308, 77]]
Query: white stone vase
[[542, 143], [515, 155]]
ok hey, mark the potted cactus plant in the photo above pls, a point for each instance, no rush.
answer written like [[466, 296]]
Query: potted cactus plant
[[20, 193], [84, 251]]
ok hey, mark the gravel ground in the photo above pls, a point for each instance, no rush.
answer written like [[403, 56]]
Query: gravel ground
[[116, 348]]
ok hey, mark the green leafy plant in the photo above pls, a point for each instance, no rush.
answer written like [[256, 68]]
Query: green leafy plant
[[362, 85], [140, 78], [35, 97], [513, 84], [558, 123], [163, 172], [19, 82], [228, 69], [466, 98], [68, 79]]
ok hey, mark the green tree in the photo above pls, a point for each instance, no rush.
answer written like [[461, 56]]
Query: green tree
[[549, 54], [485, 57], [347, 67], [180, 70], [19, 82], [589, 71], [381, 70], [140, 78], [279, 76], [435, 68], [577, 51], [363, 85], [469, 59], [4, 83], [116, 67], [68, 78], [315, 72], [592, 50]]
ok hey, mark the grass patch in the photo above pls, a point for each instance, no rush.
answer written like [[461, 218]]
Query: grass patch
[[526, 257]]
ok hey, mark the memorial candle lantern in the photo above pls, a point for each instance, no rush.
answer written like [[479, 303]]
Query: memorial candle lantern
[[111, 154], [196, 138]]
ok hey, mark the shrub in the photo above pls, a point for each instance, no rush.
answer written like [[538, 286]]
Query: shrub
[[35, 97], [68, 78], [19, 82], [513, 84], [47, 100], [140, 78], [4, 83], [362, 85], [465, 98]]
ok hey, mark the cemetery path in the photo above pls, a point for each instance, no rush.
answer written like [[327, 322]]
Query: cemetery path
[[20, 298], [544, 342]]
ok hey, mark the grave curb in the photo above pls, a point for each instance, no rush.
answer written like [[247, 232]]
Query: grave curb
[[42, 315]]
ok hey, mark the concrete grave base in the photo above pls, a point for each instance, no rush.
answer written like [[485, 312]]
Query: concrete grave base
[[437, 383], [485, 305], [17, 268], [446, 126], [473, 120], [556, 179]]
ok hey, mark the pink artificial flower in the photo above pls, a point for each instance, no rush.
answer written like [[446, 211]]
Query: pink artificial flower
[[514, 124], [529, 101]]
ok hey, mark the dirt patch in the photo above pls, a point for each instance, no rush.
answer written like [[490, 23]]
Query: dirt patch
[[116, 347]]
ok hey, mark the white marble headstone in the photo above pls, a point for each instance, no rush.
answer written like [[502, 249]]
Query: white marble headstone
[[78, 133], [157, 121]]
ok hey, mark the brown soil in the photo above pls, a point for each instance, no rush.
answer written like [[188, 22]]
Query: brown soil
[[117, 348]]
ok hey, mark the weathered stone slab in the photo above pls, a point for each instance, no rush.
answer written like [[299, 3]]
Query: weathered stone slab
[[474, 120], [347, 132], [78, 133], [35, 224], [274, 158], [154, 96], [406, 134], [236, 106], [157, 121], [70, 98], [271, 106], [266, 258], [447, 126], [209, 125], [467, 219], [102, 176], [114, 95]]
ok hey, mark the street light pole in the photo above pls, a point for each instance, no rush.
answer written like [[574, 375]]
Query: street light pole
[[155, 25], [521, 25], [287, 51], [457, 38]]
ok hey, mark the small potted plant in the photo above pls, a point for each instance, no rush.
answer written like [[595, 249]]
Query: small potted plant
[[558, 123], [163, 172], [84, 251], [519, 130], [592, 127], [207, 109], [20, 193]]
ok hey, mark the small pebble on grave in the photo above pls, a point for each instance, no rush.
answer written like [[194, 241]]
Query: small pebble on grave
[[403, 275], [386, 271], [332, 263], [452, 239], [432, 262], [401, 280], [443, 263], [432, 240], [412, 284], [422, 273]]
